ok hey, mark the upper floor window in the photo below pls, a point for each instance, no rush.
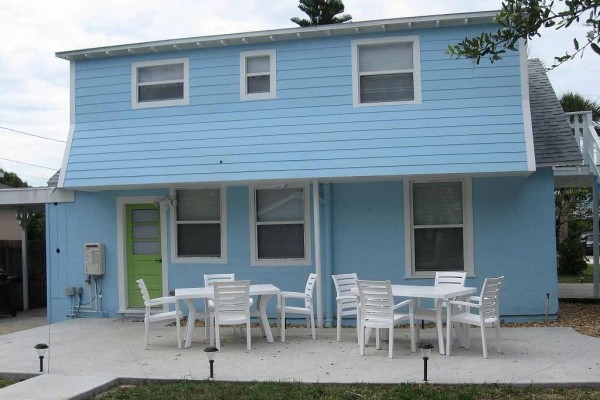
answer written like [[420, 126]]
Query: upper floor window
[[439, 223], [258, 77], [386, 71], [280, 227], [199, 226], [160, 83]]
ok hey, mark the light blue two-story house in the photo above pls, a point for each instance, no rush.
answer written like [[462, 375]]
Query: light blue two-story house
[[358, 147]]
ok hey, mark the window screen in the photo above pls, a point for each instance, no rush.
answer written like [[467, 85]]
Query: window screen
[[160, 82]]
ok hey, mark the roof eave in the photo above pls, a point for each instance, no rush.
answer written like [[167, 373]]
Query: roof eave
[[429, 21]]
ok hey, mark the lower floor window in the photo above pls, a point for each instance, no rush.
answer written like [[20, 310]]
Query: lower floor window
[[439, 226], [279, 232]]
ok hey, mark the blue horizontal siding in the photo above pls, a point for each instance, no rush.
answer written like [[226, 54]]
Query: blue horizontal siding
[[470, 119]]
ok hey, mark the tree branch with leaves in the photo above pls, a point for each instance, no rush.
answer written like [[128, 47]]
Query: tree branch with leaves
[[523, 19]]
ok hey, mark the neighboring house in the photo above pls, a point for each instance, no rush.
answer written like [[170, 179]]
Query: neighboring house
[[358, 147], [9, 226]]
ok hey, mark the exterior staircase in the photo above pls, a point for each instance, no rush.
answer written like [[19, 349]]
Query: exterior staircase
[[586, 174]]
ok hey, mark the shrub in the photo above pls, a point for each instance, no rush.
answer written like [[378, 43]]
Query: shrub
[[571, 257]]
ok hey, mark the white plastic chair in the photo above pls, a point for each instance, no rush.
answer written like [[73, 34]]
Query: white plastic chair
[[346, 299], [150, 317], [283, 308], [231, 306], [488, 304], [377, 310], [209, 279], [442, 278]]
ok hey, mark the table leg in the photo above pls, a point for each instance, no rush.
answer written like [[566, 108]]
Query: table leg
[[190, 322], [264, 321], [438, 323]]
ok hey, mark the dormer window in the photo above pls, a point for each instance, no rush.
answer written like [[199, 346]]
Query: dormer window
[[386, 71], [160, 83], [258, 79]]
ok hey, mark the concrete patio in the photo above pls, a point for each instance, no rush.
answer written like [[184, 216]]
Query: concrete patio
[[107, 349]]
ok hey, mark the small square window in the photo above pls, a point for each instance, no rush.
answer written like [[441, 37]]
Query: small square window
[[386, 71], [160, 83], [257, 75]]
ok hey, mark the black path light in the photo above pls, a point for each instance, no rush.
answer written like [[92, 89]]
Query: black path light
[[425, 352], [41, 350], [211, 352]]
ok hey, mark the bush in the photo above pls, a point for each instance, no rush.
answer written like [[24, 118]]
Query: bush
[[571, 257]]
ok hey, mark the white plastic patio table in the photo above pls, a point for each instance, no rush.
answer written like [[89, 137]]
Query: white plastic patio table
[[438, 294], [264, 292]]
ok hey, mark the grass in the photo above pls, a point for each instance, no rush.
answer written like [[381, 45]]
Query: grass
[[5, 383], [207, 390], [588, 276]]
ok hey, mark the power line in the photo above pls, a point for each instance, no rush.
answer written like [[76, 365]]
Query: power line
[[33, 165], [31, 134]]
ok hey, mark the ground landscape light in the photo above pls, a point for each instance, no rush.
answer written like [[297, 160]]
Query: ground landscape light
[[41, 350], [211, 352], [425, 352]]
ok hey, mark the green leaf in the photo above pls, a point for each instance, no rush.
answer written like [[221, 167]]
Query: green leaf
[[595, 47], [576, 43]]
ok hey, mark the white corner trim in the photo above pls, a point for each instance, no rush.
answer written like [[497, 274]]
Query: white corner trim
[[173, 228], [416, 69], [468, 243], [135, 104], [121, 246], [307, 260], [272, 94], [529, 145], [67, 152]]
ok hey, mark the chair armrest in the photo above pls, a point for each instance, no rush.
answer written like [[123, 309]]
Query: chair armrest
[[409, 302], [294, 295], [463, 303], [162, 300], [474, 298]]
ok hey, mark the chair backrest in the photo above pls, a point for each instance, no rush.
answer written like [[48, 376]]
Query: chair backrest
[[490, 297], [310, 286], [450, 278], [209, 279], [232, 299], [344, 283], [145, 294], [376, 301]]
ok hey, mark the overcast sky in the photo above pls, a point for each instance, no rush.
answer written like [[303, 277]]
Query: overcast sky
[[34, 95]]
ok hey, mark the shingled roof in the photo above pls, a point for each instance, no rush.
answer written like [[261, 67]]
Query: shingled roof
[[552, 137]]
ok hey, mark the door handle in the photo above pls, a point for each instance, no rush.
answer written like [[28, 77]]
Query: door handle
[[159, 260]]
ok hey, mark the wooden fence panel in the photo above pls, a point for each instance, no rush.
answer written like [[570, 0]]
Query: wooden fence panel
[[10, 262]]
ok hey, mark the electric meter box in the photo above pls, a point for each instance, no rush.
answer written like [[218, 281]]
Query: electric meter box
[[94, 258]]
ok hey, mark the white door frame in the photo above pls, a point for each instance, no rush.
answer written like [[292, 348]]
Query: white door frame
[[122, 245]]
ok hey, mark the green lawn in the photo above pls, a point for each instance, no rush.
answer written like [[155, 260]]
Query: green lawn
[[5, 383], [284, 390], [588, 276]]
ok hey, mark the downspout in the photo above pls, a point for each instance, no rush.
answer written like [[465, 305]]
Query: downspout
[[595, 236], [318, 269], [328, 255]]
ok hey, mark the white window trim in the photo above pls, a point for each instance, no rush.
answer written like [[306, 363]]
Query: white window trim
[[416, 69], [272, 94], [160, 103], [467, 193], [175, 258], [254, 261]]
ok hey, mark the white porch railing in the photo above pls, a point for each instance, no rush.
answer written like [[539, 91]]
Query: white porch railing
[[587, 139]]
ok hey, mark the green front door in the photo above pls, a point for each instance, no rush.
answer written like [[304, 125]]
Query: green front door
[[144, 258]]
